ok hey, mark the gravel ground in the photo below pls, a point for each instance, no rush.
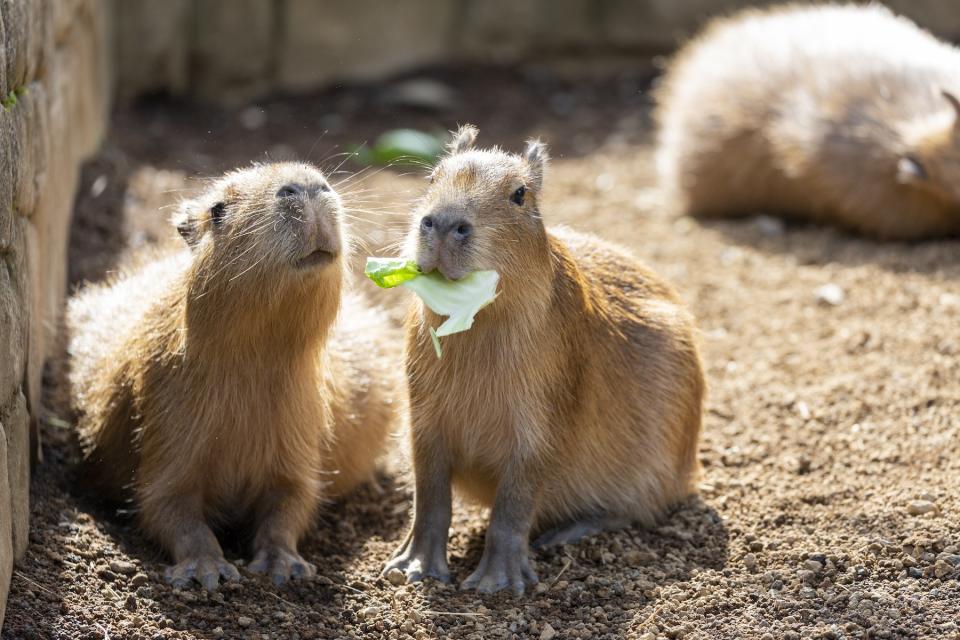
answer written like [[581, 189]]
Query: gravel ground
[[831, 447]]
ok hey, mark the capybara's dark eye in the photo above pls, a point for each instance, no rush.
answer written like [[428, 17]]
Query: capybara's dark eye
[[517, 197], [217, 212], [427, 223]]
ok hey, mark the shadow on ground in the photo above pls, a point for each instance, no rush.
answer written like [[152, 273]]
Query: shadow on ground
[[577, 585], [818, 245]]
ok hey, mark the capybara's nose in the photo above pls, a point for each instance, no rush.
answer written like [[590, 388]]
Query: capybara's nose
[[292, 190], [458, 229]]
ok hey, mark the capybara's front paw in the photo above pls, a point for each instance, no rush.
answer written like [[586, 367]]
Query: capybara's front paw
[[502, 568], [417, 563], [281, 565], [205, 569]]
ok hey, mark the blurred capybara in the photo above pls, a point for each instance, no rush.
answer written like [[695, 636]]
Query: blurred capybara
[[217, 388], [574, 402], [841, 114]]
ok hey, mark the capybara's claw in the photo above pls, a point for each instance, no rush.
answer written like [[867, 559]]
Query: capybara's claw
[[500, 570], [206, 570], [281, 565], [417, 565]]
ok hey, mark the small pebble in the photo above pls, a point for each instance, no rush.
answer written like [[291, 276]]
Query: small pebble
[[245, 622], [637, 558], [943, 569], [123, 568], [369, 613], [396, 577], [548, 632], [830, 294], [949, 300], [750, 562], [107, 574], [921, 507], [813, 565]]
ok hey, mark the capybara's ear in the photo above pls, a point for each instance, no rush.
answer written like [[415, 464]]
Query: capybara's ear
[[955, 103], [186, 224], [462, 139], [910, 170], [537, 157]]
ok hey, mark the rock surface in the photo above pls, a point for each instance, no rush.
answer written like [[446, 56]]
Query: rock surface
[[229, 51], [55, 87]]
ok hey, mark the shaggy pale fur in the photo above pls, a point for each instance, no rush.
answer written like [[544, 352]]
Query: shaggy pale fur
[[842, 114]]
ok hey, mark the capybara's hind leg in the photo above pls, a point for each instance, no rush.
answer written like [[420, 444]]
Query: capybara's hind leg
[[284, 519], [570, 532]]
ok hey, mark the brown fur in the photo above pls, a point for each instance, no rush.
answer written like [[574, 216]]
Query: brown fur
[[581, 383], [216, 385], [833, 113]]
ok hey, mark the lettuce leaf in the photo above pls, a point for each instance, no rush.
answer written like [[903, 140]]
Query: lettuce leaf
[[389, 272], [459, 300]]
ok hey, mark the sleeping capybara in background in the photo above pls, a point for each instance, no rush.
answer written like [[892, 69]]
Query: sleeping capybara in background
[[841, 114]]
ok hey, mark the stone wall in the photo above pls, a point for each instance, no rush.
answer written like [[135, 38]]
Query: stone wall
[[55, 88], [234, 50]]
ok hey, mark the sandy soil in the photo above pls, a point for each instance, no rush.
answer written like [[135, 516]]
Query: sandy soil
[[831, 448]]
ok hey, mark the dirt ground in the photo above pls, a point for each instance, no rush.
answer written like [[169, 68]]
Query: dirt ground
[[831, 447]]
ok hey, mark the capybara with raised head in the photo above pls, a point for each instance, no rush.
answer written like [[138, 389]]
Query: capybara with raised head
[[217, 388], [574, 402], [841, 114]]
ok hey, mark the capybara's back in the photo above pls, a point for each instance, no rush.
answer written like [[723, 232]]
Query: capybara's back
[[844, 114]]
